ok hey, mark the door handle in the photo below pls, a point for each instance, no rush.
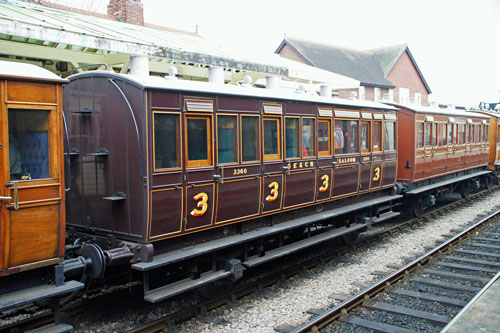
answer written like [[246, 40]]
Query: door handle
[[16, 202], [220, 178]]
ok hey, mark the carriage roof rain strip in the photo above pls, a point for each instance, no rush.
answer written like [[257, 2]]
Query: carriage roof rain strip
[[136, 128]]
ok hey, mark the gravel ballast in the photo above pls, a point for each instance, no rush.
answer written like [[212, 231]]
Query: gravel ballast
[[257, 313]]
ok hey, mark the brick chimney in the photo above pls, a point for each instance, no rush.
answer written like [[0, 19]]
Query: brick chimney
[[129, 11]]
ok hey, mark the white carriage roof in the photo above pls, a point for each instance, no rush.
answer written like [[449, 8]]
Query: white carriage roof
[[438, 111], [27, 71], [156, 82]]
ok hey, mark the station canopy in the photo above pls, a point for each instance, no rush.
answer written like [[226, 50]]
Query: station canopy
[[61, 41]]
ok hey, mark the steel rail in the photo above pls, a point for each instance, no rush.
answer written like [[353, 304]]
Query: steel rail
[[171, 319], [343, 308]]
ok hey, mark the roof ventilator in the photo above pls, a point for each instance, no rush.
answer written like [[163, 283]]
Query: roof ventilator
[[172, 73], [216, 75], [325, 90], [139, 66], [272, 82], [247, 82]]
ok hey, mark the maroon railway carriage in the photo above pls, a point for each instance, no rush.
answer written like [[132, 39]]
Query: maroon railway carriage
[[188, 178], [441, 150]]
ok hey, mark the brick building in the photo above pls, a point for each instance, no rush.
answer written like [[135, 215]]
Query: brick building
[[388, 73]]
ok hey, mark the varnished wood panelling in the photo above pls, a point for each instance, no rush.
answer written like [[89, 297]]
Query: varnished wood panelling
[[37, 193], [31, 92], [34, 234]]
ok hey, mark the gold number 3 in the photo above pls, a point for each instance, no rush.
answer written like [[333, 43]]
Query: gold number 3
[[274, 192], [376, 171], [202, 204], [324, 187]]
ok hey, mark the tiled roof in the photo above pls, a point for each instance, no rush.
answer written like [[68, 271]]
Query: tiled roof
[[388, 57], [360, 65]]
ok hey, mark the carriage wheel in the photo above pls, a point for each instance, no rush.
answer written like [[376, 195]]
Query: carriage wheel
[[464, 189], [488, 181], [417, 206]]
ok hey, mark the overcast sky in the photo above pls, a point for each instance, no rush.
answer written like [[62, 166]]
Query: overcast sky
[[456, 44]]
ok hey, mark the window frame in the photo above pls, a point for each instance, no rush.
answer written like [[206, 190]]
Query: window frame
[[368, 137], [428, 131], [394, 128], [257, 138], [329, 137], [434, 135], [209, 161], [269, 157], [450, 134], [52, 145], [377, 123], [313, 141], [297, 138], [343, 138], [178, 142], [235, 138]]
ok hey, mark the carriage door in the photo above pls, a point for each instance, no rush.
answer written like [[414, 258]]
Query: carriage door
[[239, 185], [199, 178], [273, 166], [32, 156]]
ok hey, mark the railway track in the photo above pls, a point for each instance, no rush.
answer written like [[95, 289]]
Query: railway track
[[259, 284], [425, 294], [170, 321]]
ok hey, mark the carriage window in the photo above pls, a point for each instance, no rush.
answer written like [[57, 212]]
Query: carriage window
[[466, 133], [455, 134], [199, 140], [227, 141], [28, 144], [427, 134], [308, 131], [365, 136], [389, 135], [376, 136], [324, 137], [434, 134], [166, 141], [486, 138], [443, 135], [450, 134], [420, 135], [292, 137], [346, 136], [271, 139], [481, 133], [249, 138]]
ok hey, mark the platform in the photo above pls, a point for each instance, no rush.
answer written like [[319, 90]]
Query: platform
[[482, 313]]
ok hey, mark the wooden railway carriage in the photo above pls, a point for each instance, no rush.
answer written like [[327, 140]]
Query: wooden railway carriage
[[176, 164], [441, 151], [32, 212], [494, 139]]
